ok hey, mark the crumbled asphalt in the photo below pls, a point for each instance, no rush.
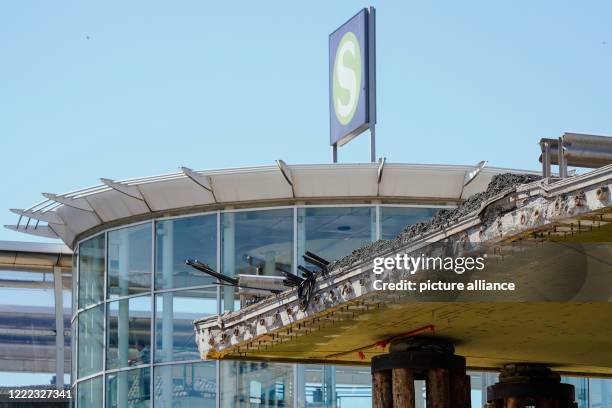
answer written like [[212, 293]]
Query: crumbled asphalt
[[498, 184]]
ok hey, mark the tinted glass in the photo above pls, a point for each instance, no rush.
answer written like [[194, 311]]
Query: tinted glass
[[334, 232], [129, 389], [181, 239], [128, 332], [129, 260], [91, 336], [174, 316], [394, 219], [186, 385], [91, 271]]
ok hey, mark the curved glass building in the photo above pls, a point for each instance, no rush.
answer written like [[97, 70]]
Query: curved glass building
[[134, 299]]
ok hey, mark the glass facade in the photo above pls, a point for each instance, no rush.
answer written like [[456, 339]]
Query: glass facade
[[135, 343]]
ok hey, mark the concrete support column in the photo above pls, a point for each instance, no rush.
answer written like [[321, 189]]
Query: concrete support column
[[59, 328]]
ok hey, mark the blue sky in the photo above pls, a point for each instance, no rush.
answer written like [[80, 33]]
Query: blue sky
[[127, 89]]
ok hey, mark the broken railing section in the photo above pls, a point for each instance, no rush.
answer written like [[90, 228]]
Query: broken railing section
[[255, 287], [306, 285]]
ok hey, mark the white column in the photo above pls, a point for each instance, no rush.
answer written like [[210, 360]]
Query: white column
[[229, 257], [123, 327], [59, 328], [168, 312], [228, 381], [301, 236]]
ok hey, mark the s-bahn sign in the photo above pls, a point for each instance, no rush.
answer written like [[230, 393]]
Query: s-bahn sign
[[352, 78]]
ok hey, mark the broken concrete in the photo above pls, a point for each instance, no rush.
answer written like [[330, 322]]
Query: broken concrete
[[348, 317], [499, 184]]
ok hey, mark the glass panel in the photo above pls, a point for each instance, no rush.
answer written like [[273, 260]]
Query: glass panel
[[91, 271], [129, 332], [75, 287], [394, 219], [73, 367], [186, 385], [255, 243], [600, 393], [580, 390], [314, 386], [256, 384], [181, 239], [353, 387], [89, 393], [127, 389], [175, 313], [333, 233], [129, 261], [91, 335]]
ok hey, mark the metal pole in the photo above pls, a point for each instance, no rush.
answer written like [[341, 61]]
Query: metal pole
[[59, 328], [335, 153], [561, 160], [545, 159], [373, 143], [372, 80]]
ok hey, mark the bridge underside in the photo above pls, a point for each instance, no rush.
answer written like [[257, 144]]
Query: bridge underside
[[559, 315]]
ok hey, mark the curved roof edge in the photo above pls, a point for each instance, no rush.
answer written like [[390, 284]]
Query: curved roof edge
[[72, 215]]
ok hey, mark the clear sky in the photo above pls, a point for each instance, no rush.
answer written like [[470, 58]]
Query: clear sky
[[128, 89]]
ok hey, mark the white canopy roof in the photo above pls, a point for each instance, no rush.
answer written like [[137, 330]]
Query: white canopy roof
[[71, 216]]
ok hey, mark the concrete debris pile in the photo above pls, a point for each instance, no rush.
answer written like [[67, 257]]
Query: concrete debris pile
[[498, 184]]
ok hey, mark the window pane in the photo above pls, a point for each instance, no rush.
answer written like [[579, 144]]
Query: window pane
[[255, 243], [394, 219], [91, 271], [129, 260], [175, 313], [129, 332], [181, 239], [89, 393], [73, 367], [256, 384], [600, 392], [333, 233], [186, 385], [127, 389], [580, 389], [91, 335], [75, 287], [353, 386]]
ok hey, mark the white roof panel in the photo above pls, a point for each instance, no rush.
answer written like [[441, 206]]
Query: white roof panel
[[254, 186]]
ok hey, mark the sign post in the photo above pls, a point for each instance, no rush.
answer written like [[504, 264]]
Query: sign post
[[352, 81]]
